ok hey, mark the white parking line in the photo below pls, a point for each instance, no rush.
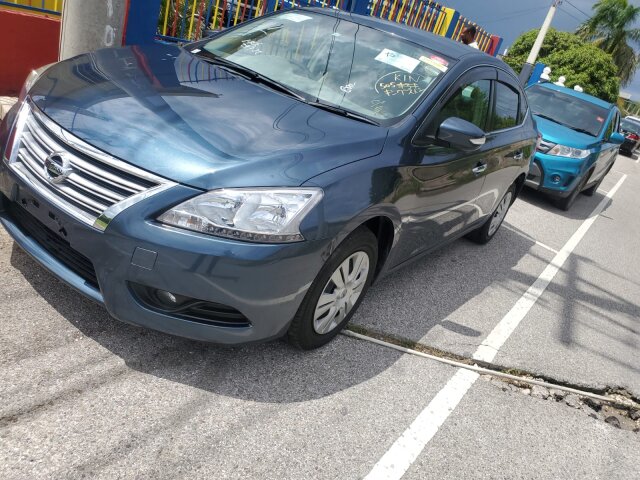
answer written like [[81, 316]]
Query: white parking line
[[406, 449], [522, 234]]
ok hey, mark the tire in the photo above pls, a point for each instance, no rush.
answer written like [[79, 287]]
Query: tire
[[489, 228], [305, 332], [566, 202], [590, 192]]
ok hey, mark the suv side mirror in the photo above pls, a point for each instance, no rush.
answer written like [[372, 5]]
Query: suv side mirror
[[460, 134], [616, 138]]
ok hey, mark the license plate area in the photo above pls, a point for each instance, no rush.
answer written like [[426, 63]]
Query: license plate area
[[42, 213]]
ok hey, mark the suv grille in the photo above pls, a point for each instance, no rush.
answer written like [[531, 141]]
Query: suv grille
[[84, 181]]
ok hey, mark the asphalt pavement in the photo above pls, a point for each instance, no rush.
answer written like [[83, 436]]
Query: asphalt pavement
[[85, 396]]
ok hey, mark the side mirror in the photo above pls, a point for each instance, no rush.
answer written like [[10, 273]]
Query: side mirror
[[616, 138], [460, 134]]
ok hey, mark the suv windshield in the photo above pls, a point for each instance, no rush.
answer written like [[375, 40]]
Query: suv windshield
[[567, 110], [333, 61]]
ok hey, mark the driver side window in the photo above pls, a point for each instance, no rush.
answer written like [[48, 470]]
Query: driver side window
[[470, 102]]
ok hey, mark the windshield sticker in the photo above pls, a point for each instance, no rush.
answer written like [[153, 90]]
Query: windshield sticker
[[251, 46], [600, 119], [348, 87], [400, 83], [435, 62], [377, 106], [295, 17], [195, 50], [398, 60]]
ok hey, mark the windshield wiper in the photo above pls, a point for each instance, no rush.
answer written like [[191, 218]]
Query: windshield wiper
[[248, 73], [581, 130], [343, 112], [549, 118], [576, 129], [259, 78]]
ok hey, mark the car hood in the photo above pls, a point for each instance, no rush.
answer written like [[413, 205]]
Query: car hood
[[556, 133], [166, 111]]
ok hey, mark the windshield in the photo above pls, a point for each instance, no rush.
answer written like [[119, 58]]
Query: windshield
[[567, 110], [334, 61], [630, 126]]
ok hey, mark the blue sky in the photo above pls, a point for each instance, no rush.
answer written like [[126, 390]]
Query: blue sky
[[510, 18]]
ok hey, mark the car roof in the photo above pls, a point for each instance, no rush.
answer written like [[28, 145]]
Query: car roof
[[453, 50], [583, 96]]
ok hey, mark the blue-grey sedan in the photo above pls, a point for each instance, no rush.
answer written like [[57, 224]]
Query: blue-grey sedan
[[254, 184]]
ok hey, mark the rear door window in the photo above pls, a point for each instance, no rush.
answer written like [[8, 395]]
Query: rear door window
[[507, 107]]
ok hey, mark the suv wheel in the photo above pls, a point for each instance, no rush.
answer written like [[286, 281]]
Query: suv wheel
[[566, 202]]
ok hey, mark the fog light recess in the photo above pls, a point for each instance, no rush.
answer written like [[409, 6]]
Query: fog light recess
[[180, 306]]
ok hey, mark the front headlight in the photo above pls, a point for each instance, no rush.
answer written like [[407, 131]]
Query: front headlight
[[570, 152], [264, 215]]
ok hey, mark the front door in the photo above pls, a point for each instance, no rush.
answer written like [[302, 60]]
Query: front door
[[445, 183]]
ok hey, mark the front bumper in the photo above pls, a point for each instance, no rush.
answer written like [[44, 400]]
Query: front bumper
[[544, 167], [265, 283]]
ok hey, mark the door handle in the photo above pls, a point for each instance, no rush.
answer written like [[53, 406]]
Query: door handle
[[518, 156], [478, 169]]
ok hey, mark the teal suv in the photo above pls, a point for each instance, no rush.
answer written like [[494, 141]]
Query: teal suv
[[578, 145]]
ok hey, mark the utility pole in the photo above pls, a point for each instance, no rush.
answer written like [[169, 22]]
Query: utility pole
[[91, 24], [527, 68]]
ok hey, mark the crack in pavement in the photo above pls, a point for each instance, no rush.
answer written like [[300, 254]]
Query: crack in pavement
[[622, 403]]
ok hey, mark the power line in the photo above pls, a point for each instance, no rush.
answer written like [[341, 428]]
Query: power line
[[581, 11], [570, 14], [512, 15]]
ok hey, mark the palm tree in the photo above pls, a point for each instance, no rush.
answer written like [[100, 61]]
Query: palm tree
[[610, 29]]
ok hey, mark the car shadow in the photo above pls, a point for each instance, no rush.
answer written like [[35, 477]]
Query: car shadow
[[272, 372], [580, 210], [444, 290], [276, 372]]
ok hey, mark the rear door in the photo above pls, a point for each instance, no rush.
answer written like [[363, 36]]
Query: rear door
[[506, 141]]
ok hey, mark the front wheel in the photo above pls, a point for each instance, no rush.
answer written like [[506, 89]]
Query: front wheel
[[486, 232], [590, 192], [566, 202], [336, 292]]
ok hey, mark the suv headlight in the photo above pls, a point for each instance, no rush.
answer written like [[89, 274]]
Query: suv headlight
[[265, 215], [570, 152]]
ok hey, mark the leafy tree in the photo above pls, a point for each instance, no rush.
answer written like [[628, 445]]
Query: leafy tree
[[610, 29], [566, 54]]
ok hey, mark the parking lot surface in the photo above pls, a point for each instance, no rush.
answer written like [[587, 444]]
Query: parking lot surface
[[85, 396]]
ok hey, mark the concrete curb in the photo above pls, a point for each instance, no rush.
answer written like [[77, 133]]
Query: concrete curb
[[5, 105]]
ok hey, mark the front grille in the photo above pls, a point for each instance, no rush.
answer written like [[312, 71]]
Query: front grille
[[93, 182], [54, 244]]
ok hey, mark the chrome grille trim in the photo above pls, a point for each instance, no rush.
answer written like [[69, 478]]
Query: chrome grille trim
[[99, 186]]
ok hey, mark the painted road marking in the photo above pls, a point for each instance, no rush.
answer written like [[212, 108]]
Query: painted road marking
[[528, 237], [406, 449]]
